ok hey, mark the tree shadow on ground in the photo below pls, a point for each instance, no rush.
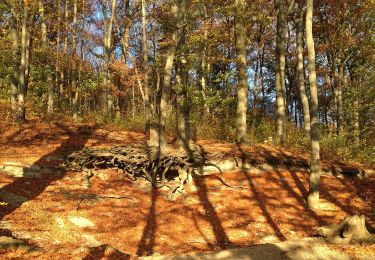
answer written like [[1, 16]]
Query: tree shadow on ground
[[35, 186], [263, 207], [147, 243], [211, 216], [281, 164]]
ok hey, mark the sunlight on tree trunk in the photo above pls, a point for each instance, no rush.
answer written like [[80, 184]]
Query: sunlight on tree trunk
[[23, 71], [145, 68], [14, 84], [108, 48], [301, 75], [204, 65], [74, 71], [280, 73], [242, 87], [313, 196], [47, 66], [178, 12]]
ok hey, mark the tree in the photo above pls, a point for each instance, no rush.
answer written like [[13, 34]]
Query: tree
[[178, 12], [108, 48], [242, 85], [14, 84], [301, 73], [145, 67], [280, 71], [314, 179], [24, 64]]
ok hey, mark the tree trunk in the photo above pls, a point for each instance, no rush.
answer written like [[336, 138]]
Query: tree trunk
[[47, 66], [301, 75], [242, 87], [206, 109], [340, 118], [65, 49], [351, 230], [14, 84], [182, 107], [74, 54], [57, 64], [145, 68], [280, 73], [108, 27], [125, 36], [313, 196], [178, 11], [23, 69]]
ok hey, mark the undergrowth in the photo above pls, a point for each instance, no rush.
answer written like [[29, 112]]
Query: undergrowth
[[262, 131]]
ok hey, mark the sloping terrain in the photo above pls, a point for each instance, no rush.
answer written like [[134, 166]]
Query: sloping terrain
[[48, 207]]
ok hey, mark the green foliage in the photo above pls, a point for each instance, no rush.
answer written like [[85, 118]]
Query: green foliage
[[343, 148]]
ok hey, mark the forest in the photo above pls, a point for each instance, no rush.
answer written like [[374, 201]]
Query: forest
[[187, 129]]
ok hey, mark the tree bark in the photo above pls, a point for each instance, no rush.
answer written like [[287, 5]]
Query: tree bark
[[74, 54], [108, 28], [178, 11], [280, 73], [21, 117], [47, 66], [301, 75], [351, 230], [57, 64], [126, 34], [145, 68], [340, 117], [65, 49], [206, 109], [183, 134], [14, 84], [314, 179], [242, 87]]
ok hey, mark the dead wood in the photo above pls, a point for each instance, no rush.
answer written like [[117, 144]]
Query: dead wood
[[351, 230]]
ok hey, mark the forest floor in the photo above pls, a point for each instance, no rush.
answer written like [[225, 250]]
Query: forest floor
[[47, 206]]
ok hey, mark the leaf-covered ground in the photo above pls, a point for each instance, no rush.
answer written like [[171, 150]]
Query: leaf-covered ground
[[63, 219]]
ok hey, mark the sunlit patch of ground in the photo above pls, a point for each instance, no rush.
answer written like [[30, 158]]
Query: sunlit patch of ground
[[270, 207]]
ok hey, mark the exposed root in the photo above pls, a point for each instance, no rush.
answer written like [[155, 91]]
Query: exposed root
[[351, 230]]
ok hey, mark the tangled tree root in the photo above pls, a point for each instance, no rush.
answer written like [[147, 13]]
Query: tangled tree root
[[351, 230], [138, 161]]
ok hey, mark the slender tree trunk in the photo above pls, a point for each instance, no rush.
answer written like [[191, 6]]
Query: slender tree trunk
[[178, 11], [82, 44], [14, 84], [182, 107], [313, 196], [206, 109], [65, 49], [47, 66], [126, 34], [340, 117], [74, 54], [280, 73], [108, 28], [145, 67], [262, 82], [301, 75], [242, 87], [356, 121], [57, 64], [23, 69]]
